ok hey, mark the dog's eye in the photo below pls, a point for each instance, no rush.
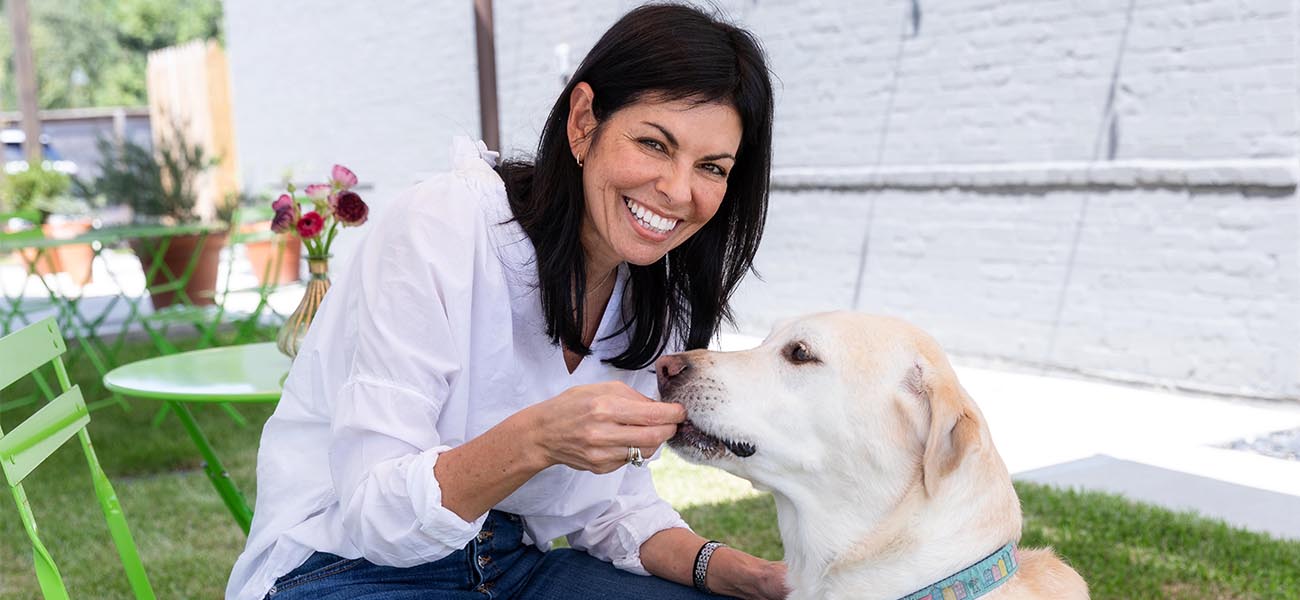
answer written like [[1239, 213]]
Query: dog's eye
[[798, 353]]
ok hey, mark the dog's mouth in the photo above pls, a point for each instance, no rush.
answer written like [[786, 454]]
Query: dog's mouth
[[692, 437]]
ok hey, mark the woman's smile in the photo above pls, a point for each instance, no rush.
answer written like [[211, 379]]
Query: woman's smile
[[653, 226]]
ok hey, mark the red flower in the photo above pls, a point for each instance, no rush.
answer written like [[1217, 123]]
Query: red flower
[[310, 225], [350, 209]]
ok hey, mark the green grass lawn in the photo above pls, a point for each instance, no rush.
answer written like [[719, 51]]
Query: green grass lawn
[[189, 542]]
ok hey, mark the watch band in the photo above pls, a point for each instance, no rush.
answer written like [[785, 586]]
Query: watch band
[[702, 564]]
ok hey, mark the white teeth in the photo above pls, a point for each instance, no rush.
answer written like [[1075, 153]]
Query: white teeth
[[648, 218]]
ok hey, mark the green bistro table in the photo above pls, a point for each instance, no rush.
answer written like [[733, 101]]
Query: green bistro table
[[247, 373]]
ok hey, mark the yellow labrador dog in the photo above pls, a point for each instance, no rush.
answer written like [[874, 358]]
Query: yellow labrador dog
[[886, 481]]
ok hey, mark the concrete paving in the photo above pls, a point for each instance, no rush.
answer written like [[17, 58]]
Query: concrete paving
[[1149, 445], [1246, 507]]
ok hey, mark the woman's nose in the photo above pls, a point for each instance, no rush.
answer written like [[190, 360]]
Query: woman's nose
[[675, 184]]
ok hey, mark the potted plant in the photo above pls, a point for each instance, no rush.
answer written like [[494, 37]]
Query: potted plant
[[46, 192], [158, 186]]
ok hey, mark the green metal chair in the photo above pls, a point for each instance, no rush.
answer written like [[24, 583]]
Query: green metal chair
[[15, 312], [35, 439]]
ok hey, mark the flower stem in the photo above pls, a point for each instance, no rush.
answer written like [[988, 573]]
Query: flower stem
[[329, 239]]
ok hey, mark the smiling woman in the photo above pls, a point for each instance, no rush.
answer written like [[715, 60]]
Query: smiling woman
[[670, 117], [478, 385]]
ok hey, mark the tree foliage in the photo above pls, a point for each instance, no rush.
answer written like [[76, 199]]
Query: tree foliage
[[93, 52]]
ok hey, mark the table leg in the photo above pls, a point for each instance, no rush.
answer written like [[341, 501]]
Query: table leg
[[216, 472]]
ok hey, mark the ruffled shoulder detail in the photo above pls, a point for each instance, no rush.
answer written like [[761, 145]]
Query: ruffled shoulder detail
[[466, 152]]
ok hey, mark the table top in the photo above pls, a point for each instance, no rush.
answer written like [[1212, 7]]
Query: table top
[[244, 373], [33, 238]]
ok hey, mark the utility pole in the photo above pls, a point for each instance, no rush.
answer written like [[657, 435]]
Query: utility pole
[[25, 70], [487, 74]]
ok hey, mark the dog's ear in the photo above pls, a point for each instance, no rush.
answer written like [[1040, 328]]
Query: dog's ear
[[954, 429]]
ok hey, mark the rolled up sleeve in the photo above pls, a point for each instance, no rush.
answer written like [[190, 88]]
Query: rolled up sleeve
[[635, 515], [383, 471]]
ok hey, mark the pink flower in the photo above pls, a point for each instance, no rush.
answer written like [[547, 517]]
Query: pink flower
[[342, 178], [310, 225], [350, 209], [318, 191], [285, 201], [283, 221]]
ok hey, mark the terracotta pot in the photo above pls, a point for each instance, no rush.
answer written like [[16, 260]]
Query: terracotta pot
[[47, 264], [201, 288], [261, 255], [75, 260]]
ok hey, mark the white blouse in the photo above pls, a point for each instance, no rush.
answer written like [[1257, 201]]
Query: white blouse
[[433, 335]]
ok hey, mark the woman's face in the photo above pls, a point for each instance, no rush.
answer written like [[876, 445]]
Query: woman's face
[[652, 177]]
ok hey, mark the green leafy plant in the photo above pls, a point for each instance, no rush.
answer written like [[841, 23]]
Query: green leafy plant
[[44, 190], [157, 184]]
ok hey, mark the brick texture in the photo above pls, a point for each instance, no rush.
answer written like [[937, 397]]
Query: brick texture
[[1118, 271]]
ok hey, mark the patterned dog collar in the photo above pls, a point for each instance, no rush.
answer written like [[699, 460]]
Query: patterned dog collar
[[973, 581]]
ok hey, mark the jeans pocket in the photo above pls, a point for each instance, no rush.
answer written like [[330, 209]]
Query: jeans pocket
[[319, 566]]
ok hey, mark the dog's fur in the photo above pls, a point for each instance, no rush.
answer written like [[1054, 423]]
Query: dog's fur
[[885, 476]]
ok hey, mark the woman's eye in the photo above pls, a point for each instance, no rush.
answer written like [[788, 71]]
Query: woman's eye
[[799, 353], [716, 170], [653, 145]]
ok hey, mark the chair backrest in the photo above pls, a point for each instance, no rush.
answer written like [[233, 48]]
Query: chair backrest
[[35, 439]]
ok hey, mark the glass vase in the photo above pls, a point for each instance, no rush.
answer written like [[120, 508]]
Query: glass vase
[[295, 327]]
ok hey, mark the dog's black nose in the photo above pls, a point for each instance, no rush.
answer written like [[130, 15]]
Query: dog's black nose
[[669, 367]]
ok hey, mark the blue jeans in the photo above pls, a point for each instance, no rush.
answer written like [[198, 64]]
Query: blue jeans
[[497, 564]]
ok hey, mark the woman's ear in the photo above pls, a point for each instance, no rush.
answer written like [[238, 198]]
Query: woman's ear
[[582, 120]]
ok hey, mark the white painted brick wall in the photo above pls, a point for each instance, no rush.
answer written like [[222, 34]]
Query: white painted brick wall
[[379, 88], [963, 151], [1194, 289], [982, 81]]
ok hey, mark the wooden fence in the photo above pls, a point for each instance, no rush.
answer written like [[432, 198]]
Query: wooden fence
[[189, 91]]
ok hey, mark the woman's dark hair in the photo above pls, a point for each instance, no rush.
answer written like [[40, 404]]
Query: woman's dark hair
[[662, 53]]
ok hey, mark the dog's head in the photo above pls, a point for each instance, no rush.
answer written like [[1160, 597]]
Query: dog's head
[[830, 397]]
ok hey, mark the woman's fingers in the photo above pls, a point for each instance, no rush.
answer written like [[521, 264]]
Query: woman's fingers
[[645, 412], [613, 459], [613, 436]]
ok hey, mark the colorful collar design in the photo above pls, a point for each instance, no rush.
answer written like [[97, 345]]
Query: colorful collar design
[[973, 581]]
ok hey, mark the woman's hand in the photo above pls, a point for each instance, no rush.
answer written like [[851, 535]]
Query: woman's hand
[[742, 575], [770, 582], [590, 427]]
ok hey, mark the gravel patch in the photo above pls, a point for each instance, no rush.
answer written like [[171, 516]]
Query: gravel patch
[[1279, 444]]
